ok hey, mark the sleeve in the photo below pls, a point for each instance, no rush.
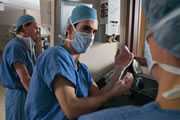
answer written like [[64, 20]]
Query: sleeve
[[16, 54], [87, 74], [60, 64]]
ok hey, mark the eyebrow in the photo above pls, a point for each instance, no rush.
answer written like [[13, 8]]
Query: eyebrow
[[88, 27]]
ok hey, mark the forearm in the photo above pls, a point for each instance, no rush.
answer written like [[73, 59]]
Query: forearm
[[74, 106], [23, 75], [81, 106], [25, 83]]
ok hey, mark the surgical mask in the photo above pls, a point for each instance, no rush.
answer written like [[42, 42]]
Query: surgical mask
[[151, 62], [148, 56], [173, 93], [82, 41]]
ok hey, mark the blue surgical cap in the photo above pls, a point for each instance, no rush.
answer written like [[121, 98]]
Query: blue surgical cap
[[163, 17], [83, 12], [23, 20]]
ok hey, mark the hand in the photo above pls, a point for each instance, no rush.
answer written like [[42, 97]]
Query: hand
[[38, 44], [128, 81], [123, 57], [37, 38], [122, 87]]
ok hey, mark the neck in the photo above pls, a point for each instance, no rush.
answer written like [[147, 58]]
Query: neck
[[23, 34], [166, 82], [68, 46]]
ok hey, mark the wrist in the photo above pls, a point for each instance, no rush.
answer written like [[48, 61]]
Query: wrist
[[106, 94]]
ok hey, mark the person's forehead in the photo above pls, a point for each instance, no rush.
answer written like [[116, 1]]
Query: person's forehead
[[91, 23], [34, 24]]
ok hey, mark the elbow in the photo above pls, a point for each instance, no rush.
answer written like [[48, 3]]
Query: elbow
[[71, 113], [70, 116]]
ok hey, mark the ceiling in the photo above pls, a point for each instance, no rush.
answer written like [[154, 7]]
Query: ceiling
[[22, 4]]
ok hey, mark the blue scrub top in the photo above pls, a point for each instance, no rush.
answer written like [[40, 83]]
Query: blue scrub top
[[16, 51], [41, 101], [151, 111]]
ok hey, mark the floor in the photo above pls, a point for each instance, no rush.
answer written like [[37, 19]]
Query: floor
[[2, 114]]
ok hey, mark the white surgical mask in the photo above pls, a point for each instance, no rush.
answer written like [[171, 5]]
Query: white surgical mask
[[173, 93], [148, 56], [82, 41]]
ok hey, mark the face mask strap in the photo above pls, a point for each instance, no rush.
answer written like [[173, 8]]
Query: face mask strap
[[170, 68], [172, 94], [70, 21]]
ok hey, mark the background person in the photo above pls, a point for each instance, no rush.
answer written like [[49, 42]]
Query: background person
[[17, 66]]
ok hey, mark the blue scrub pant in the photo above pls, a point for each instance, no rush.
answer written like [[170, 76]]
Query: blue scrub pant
[[14, 104]]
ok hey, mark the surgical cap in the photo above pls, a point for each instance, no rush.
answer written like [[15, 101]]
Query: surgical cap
[[23, 20], [83, 12], [163, 17]]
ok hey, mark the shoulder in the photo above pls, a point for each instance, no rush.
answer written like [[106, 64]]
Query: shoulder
[[55, 54], [57, 51], [15, 46], [15, 43], [84, 66]]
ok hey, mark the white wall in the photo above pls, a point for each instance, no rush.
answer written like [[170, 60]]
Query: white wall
[[35, 14], [9, 16], [23, 4], [7, 19], [100, 58]]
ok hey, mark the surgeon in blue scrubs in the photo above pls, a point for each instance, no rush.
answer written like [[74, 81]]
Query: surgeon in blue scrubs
[[162, 52], [61, 87], [17, 66]]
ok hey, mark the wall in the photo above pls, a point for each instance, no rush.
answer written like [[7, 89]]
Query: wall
[[2, 105], [7, 19], [10, 15], [100, 58], [35, 14]]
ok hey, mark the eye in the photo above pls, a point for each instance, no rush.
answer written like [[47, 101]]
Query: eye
[[94, 31], [86, 29]]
